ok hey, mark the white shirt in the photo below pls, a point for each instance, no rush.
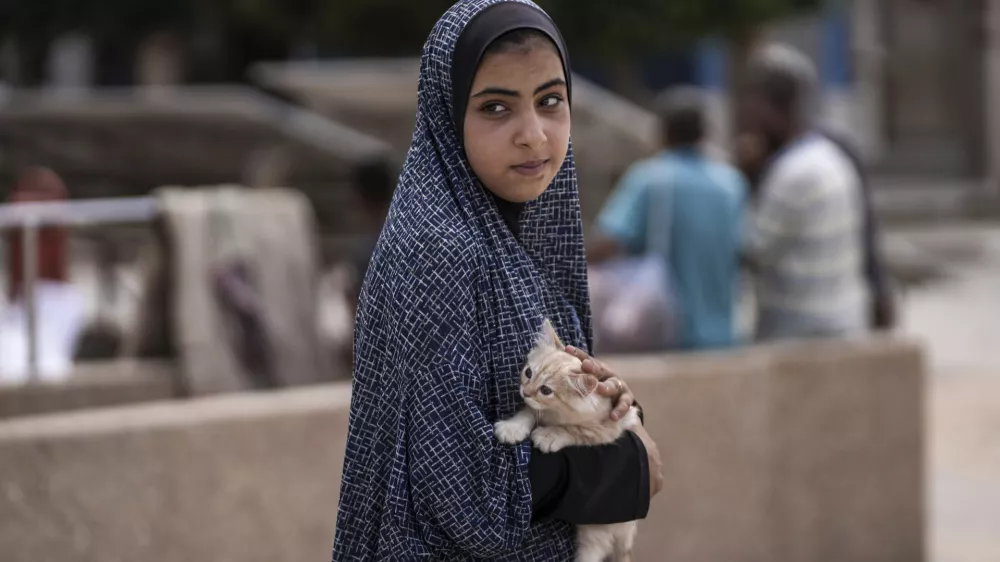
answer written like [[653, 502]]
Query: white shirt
[[60, 319], [808, 238]]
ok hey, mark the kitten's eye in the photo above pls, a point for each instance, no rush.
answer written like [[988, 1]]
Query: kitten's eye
[[527, 373], [545, 390]]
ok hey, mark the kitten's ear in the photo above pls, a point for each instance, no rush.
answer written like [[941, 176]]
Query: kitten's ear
[[585, 384], [549, 335]]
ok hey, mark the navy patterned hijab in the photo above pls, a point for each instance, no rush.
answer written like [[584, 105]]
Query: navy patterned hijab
[[448, 312]]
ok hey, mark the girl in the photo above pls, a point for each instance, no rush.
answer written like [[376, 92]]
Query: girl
[[482, 242]]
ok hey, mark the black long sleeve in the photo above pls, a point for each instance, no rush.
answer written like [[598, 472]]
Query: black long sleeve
[[591, 485]]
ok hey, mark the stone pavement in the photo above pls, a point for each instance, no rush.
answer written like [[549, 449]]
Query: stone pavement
[[959, 319]]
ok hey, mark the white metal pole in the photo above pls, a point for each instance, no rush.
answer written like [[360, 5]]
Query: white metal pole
[[29, 257]]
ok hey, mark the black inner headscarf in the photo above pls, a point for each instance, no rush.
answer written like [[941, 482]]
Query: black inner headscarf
[[485, 28]]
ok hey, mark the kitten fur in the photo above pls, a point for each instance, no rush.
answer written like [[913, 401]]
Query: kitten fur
[[564, 409]]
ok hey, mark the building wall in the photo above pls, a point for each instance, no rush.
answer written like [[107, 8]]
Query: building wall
[[903, 78], [933, 86]]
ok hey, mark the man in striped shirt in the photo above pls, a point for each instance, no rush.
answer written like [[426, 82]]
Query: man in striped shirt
[[806, 236]]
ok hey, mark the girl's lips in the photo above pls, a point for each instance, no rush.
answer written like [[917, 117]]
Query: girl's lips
[[532, 168]]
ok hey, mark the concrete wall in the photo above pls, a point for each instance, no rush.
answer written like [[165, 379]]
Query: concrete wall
[[811, 452], [794, 453], [93, 385], [934, 88]]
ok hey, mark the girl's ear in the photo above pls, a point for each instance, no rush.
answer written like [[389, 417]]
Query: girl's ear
[[548, 336]]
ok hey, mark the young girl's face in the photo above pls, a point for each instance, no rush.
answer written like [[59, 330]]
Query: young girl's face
[[517, 121]]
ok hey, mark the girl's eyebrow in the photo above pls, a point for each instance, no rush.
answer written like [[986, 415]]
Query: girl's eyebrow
[[497, 91], [549, 84]]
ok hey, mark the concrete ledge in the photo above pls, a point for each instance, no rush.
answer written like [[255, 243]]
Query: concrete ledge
[[233, 478], [793, 452], [797, 452], [93, 385]]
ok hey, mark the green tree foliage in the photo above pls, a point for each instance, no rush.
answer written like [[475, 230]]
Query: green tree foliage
[[609, 28], [379, 27], [387, 26], [34, 20]]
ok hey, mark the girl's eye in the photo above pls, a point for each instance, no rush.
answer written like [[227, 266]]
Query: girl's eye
[[551, 101], [545, 390], [493, 108], [527, 372]]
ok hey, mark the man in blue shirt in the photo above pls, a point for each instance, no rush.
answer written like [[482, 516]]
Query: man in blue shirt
[[689, 209]]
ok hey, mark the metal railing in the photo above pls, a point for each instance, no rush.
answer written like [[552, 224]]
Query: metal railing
[[30, 217]]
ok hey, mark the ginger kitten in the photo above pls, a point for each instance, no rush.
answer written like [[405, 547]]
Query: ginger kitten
[[564, 410]]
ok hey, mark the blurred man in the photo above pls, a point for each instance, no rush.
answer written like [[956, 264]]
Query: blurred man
[[687, 208], [374, 182], [59, 305], [806, 239], [35, 185]]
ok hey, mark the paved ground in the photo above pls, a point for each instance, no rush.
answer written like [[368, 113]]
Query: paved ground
[[959, 319]]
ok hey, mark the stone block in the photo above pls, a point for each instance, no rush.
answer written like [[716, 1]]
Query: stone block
[[847, 434], [709, 418], [230, 479], [794, 452]]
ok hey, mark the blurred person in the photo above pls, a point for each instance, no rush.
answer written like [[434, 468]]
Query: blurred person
[[59, 305], [483, 241], [687, 208], [35, 185], [807, 236], [373, 181], [338, 293], [100, 340], [750, 156], [268, 167]]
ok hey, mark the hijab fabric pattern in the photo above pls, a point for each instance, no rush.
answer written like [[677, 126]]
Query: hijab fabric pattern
[[448, 311]]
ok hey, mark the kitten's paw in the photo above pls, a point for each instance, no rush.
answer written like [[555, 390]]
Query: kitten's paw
[[631, 419], [510, 431], [549, 439]]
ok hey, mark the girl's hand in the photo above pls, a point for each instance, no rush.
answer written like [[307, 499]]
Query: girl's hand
[[611, 385]]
